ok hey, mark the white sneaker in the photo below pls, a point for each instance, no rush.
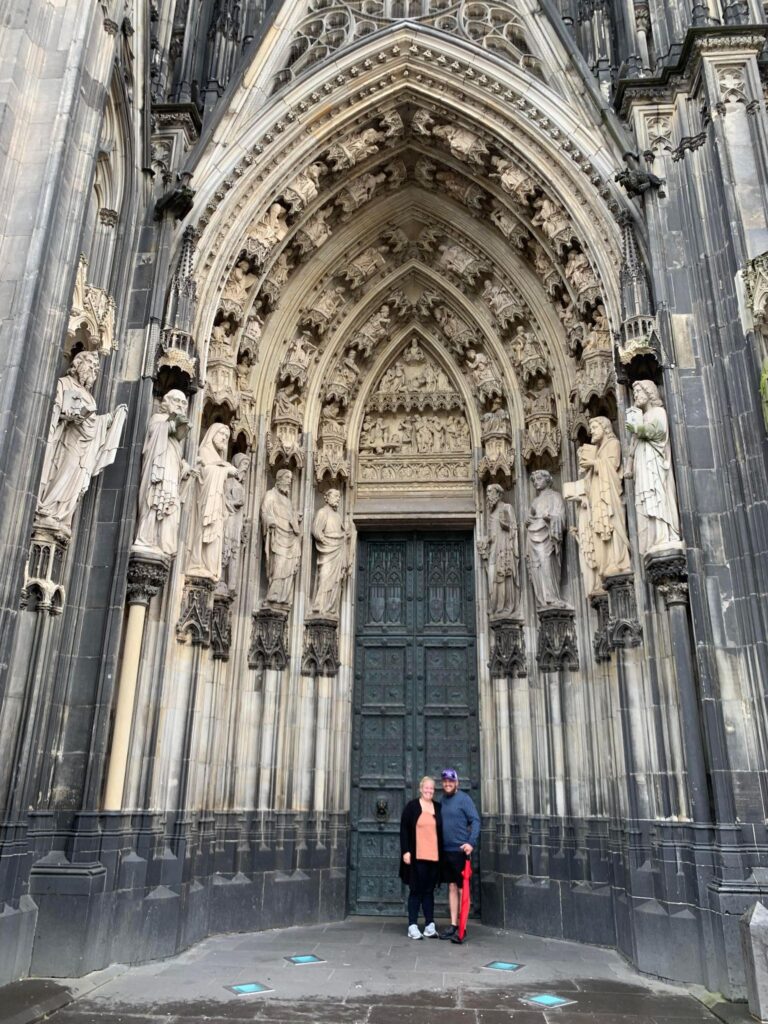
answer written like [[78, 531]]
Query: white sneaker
[[413, 932], [430, 932]]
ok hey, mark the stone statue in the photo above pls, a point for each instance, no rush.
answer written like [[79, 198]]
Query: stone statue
[[234, 500], [545, 525], [281, 524], [600, 463], [331, 542], [209, 510], [162, 470], [500, 551], [463, 144], [658, 522], [80, 444]]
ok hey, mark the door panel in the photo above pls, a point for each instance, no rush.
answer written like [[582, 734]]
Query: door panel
[[415, 700]]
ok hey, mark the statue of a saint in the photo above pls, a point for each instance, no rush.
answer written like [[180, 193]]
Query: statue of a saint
[[545, 525], [209, 512], [600, 463], [234, 500], [331, 542], [80, 444], [500, 551], [658, 522], [162, 470], [281, 524]]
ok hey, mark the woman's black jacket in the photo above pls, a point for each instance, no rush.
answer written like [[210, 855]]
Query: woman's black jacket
[[411, 814]]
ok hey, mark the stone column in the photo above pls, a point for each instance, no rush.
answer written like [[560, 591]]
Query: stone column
[[146, 577], [668, 572]]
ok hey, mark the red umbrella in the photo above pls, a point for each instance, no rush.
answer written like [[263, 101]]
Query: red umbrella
[[465, 900]]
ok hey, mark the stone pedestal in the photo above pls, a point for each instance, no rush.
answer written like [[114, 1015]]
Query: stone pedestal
[[321, 647], [195, 620], [557, 649], [601, 644], [268, 639], [624, 629], [754, 944], [508, 650], [44, 571]]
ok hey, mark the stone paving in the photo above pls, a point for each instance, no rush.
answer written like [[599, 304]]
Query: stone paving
[[373, 974]]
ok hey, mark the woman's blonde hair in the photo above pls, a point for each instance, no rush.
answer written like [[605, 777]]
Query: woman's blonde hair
[[427, 778]]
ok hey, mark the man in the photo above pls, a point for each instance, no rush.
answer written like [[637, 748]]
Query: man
[[461, 831]]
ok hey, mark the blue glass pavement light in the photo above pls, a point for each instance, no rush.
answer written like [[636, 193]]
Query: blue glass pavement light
[[502, 965], [304, 958], [249, 988], [546, 999]]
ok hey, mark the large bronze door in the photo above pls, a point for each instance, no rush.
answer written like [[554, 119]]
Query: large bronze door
[[415, 696]]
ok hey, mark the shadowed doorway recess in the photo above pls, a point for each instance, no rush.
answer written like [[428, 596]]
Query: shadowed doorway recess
[[415, 696]]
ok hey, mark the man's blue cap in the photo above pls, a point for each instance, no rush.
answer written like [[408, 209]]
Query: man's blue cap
[[449, 773]]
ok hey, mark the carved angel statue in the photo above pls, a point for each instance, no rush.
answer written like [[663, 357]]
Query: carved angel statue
[[513, 179], [281, 524], [80, 444], [500, 551], [463, 144], [304, 188], [239, 283], [544, 528], [162, 470], [550, 217], [271, 229], [658, 520], [345, 154], [209, 513], [579, 271], [332, 546]]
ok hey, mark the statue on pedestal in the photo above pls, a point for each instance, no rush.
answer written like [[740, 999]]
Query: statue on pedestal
[[331, 541], [500, 551], [209, 511], [658, 522], [80, 445], [282, 539], [235, 494], [545, 525], [600, 463], [162, 470]]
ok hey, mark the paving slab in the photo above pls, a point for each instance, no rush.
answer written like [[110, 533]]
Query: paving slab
[[373, 974]]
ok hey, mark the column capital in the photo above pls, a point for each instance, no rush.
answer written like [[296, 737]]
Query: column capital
[[668, 570], [146, 578]]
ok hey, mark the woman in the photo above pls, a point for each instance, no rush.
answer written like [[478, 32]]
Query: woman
[[421, 846]]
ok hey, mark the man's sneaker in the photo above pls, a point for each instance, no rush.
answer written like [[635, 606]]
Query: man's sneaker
[[458, 940], [449, 932], [413, 932], [430, 932]]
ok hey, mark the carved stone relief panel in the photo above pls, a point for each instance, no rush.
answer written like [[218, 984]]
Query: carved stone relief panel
[[414, 432]]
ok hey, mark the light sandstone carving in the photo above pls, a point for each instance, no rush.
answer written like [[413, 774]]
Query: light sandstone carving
[[500, 551], [304, 188], [323, 309], [234, 501], [658, 520], [239, 283], [265, 234], [365, 265], [485, 375], [553, 221], [315, 233], [504, 305], [344, 155], [359, 192], [332, 546], [512, 229], [463, 144], [544, 528], [513, 179], [209, 513], [80, 445], [281, 525], [162, 470], [462, 262], [542, 434], [461, 189], [298, 360], [600, 464]]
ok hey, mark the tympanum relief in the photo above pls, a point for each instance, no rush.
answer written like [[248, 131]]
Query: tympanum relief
[[414, 429]]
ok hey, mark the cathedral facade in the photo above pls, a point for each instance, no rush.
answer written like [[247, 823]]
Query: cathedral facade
[[384, 388]]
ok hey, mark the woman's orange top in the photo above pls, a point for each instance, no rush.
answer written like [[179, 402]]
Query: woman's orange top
[[426, 836]]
